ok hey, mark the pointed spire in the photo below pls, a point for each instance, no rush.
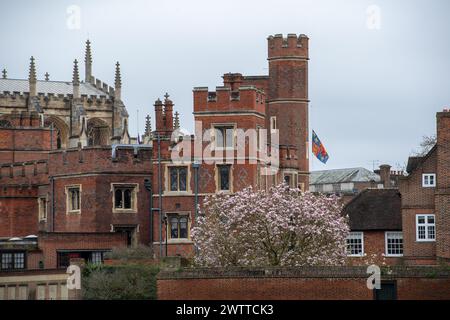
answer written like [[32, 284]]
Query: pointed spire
[[148, 126], [176, 122], [32, 78], [76, 80], [88, 62], [4, 74], [76, 75], [32, 74], [117, 80], [117, 83], [47, 76]]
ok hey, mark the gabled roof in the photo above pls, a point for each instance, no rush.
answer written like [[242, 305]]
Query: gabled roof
[[414, 162], [46, 87], [375, 209], [343, 175]]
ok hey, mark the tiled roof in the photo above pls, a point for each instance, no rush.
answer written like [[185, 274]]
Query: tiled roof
[[375, 209], [46, 87], [343, 175]]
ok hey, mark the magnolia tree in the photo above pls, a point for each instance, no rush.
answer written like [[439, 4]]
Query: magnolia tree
[[281, 227]]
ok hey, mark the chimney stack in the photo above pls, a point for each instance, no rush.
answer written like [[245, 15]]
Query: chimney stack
[[232, 80], [385, 175]]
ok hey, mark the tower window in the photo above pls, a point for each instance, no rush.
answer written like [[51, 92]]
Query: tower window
[[224, 136], [124, 197], [178, 227], [178, 178], [73, 200], [224, 177]]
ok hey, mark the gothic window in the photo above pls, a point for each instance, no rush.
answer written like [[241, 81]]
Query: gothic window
[[178, 178], [97, 132], [124, 197], [178, 227], [224, 177], [73, 199]]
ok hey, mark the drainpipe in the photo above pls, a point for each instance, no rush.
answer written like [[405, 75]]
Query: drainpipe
[[161, 220]]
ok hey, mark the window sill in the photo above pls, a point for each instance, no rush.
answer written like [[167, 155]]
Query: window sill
[[124, 211], [177, 193], [426, 240], [393, 255], [74, 212], [177, 241]]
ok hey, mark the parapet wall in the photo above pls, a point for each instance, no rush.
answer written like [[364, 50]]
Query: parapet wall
[[105, 159], [292, 46], [304, 283], [247, 98], [24, 173]]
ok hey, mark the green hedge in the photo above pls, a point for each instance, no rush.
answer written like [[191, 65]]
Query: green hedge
[[121, 282]]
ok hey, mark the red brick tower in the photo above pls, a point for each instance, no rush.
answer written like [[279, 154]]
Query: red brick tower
[[288, 104]]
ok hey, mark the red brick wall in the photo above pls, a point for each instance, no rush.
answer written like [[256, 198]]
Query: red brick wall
[[324, 283], [418, 200], [443, 187], [375, 251], [49, 243], [18, 211]]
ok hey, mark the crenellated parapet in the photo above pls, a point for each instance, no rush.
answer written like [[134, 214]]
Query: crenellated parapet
[[245, 98], [101, 159], [24, 173], [290, 47]]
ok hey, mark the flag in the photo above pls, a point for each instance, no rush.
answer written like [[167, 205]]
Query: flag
[[318, 149]]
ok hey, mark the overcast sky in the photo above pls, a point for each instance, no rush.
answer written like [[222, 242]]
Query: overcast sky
[[379, 70]]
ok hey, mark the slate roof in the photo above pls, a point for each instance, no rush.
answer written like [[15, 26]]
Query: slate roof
[[343, 175], [46, 87], [375, 209]]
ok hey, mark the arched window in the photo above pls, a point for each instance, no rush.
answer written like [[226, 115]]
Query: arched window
[[97, 132]]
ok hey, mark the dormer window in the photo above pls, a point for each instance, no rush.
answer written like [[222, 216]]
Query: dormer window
[[428, 180]]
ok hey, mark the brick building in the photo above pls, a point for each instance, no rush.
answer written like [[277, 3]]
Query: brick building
[[426, 201], [257, 105], [71, 184]]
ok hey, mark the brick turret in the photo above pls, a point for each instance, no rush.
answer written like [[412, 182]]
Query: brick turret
[[288, 100]]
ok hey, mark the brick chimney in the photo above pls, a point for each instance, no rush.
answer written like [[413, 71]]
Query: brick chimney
[[385, 175], [232, 80]]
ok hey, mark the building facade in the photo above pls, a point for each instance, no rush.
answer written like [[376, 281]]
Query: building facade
[[234, 128]]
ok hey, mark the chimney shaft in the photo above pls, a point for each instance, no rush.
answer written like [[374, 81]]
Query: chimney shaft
[[385, 175]]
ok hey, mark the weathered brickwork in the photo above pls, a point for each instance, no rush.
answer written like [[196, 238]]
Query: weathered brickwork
[[320, 283]]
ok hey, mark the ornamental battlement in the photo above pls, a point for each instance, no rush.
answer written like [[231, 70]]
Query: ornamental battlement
[[245, 98], [292, 46]]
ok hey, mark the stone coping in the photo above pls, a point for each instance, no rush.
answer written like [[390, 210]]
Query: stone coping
[[306, 272]]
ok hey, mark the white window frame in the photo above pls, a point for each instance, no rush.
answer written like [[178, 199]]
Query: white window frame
[[134, 196], [273, 124], [226, 126], [360, 234], [386, 237], [426, 224], [426, 180]]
